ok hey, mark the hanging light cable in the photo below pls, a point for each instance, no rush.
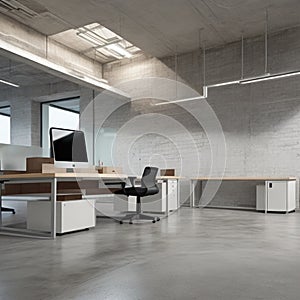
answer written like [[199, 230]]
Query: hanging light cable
[[204, 88], [267, 76], [266, 42], [242, 57]]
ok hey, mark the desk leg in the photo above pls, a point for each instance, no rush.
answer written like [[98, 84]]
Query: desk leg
[[287, 198], [53, 207], [167, 198], [200, 187], [266, 196], [178, 194], [192, 193], [195, 188]]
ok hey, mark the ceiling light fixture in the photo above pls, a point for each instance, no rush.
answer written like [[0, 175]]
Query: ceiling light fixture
[[204, 96], [92, 38], [106, 43], [223, 83], [119, 49], [180, 100], [9, 83], [269, 77]]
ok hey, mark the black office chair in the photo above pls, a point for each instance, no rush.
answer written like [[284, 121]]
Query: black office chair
[[148, 187], [6, 209]]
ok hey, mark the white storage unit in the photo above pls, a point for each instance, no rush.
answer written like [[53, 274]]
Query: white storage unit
[[70, 215], [276, 196], [173, 194], [155, 203]]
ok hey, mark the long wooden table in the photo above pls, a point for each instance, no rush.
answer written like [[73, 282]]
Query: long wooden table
[[51, 178], [197, 182]]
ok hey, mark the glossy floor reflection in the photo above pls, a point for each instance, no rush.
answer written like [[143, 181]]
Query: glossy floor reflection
[[194, 254]]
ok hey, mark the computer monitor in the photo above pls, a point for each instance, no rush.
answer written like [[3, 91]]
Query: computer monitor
[[68, 148]]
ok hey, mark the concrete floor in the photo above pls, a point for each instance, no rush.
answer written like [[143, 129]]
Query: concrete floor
[[194, 254]]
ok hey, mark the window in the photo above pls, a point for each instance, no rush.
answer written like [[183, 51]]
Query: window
[[61, 114], [5, 124], [59, 117]]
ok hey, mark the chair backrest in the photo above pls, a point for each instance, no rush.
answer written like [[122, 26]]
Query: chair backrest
[[149, 177]]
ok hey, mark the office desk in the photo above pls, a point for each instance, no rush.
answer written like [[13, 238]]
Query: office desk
[[52, 179], [197, 183]]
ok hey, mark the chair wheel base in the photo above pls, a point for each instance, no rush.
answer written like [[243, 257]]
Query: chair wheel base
[[139, 217]]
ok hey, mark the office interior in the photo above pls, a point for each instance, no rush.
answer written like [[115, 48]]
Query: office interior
[[208, 89]]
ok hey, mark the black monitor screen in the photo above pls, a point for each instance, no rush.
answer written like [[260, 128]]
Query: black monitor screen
[[68, 145]]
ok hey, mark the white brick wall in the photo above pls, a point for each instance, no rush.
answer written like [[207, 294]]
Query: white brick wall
[[260, 121]]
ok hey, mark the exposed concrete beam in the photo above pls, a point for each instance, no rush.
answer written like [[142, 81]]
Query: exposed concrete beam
[[42, 93], [21, 43]]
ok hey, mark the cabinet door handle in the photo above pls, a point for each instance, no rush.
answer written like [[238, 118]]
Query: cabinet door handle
[[270, 185]]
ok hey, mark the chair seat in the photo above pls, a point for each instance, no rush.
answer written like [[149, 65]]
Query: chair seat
[[135, 191]]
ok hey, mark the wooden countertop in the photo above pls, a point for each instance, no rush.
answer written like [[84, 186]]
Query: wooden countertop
[[61, 175], [168, 177], [245, 178]]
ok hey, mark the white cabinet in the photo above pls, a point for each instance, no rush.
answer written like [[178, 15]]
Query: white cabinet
[[70, 215], [278, 196], [168, 189], [173, 194]]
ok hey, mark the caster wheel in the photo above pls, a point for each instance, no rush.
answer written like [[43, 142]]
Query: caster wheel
[[153, 221], [121, 222], [158, 219], [130, 222]]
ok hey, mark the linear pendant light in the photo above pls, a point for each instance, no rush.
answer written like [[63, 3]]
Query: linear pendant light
[[9, 83], [204, 96], [269, 77], [266, 76], [223, 83]]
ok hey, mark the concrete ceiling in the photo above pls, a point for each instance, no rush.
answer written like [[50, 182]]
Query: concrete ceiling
[[28, 76], [23, 74], [159, 27]]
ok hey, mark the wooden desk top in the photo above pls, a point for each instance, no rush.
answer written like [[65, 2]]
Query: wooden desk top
[[61, 175], [123, 176], [168, 177], [20, 176], [245, 178]]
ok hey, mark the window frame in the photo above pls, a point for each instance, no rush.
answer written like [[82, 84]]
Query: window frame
[[43, 113], [9, 116]]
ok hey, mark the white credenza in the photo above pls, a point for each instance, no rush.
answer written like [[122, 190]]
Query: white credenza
[[167, 196], [70, 215], [276, 196]]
